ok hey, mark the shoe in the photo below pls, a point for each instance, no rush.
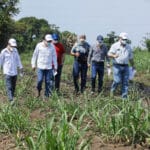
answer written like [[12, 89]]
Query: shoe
[[82, 91], [124, 97], [38, 94], [99, 91]]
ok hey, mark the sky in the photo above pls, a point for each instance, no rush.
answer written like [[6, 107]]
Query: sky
[[93, 17]]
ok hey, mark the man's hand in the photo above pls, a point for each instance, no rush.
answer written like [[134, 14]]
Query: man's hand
[[108, 65], [89, 65], [115, 55], [77, 54], [33, 68]]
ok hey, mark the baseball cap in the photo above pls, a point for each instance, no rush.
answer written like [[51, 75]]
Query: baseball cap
[[100, 38], [55, 36], [12, 42], [48, 37], [123, 35]]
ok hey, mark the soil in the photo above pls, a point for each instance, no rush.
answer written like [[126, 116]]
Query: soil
[[7, 142]]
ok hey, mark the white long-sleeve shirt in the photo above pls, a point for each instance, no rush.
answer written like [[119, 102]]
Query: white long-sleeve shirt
[[10, 61], [44, 57]]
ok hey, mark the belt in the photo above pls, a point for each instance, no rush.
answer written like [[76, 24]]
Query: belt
[[121, 64], [98, 62]]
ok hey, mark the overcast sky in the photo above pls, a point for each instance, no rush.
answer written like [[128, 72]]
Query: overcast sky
[[93, 17]]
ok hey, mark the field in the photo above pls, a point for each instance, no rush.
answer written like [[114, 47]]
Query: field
[[67, 121]]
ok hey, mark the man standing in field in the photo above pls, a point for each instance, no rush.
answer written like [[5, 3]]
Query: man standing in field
[[60, 51], [122, 54], [43, 58], [96, 59], [80, 52], [10, 62]]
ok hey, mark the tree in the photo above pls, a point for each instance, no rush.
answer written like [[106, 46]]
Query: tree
[[30, 30], [8, 8], [68, 39], [110, 39], [146, 41]]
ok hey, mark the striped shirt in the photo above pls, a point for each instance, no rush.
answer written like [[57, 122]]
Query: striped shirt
[[98, 54]]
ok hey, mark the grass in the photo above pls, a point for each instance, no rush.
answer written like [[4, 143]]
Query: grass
[[68, 121]]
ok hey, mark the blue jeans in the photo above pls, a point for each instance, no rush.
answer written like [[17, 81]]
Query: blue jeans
[[97, 68], [46, 74], [58, 77], [121, 75], [79, 69], [10, 86]]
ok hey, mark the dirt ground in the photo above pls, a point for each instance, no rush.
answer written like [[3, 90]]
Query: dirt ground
[[7, 142]]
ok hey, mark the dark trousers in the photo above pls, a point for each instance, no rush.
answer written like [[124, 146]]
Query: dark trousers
[[97, 68], [58, 77], [79, 69], [10, 85]]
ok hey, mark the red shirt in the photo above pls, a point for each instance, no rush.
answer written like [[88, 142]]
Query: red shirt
[[59, 51]]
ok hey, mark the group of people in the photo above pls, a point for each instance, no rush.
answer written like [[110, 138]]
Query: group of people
[[48, 58], [95, 56]]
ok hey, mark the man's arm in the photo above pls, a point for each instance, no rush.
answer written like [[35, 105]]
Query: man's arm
[[34, 58], [111, 53], [90, 56], [73, 52]]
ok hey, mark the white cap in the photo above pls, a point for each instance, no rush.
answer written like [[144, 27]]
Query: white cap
[[48, 37], [123, 35], [12, 42]]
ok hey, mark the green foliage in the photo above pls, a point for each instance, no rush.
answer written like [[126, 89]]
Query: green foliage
[[68, 39], [13, 120], [110, 39], [29, 31], [142, 61], [146, 41], [8, 8], [68, 121], [62, 135]]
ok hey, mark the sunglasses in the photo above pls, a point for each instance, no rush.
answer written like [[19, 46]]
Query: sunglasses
[[48, 41]]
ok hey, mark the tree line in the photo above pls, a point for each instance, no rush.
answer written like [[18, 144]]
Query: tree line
[[30, 30]]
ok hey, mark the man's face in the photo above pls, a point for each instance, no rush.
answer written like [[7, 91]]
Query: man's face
[[47, 43], [11, 48], [82, 40], [123, 42]]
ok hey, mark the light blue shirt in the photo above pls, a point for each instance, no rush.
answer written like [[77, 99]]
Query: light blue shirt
[[124, 53], [44, 57], [10, 62]]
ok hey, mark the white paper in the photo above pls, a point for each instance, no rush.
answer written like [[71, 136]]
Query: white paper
[[132, 73], [109, 71]]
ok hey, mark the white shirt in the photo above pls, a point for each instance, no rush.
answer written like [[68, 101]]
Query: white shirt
[[124, 53], [44, 57], [10, 61]]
